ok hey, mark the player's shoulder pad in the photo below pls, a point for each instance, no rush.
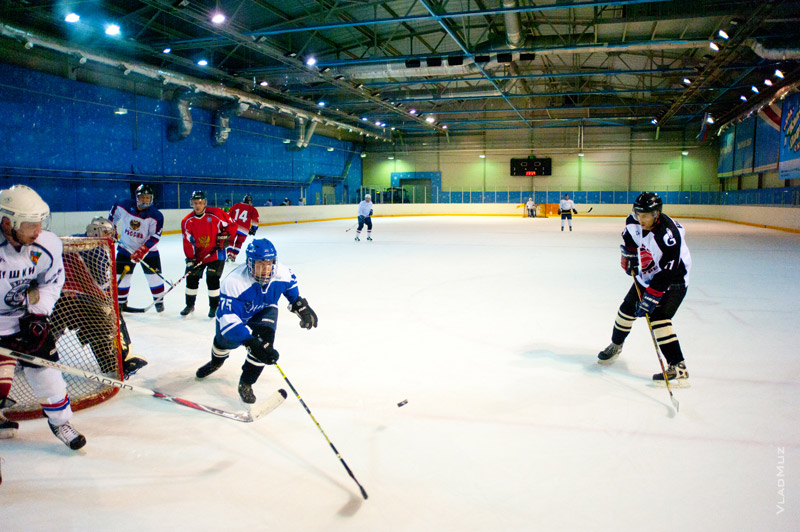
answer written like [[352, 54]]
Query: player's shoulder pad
[[237, 282], [283, 273], [49, 243]]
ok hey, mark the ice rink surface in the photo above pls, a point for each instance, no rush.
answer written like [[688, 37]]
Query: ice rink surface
[[489, 328]]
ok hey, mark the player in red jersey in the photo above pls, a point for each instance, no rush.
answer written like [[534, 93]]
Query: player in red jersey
[[206, 233], [245, 217]]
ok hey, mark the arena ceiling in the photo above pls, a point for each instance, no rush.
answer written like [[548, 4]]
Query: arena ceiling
[[420, 67]]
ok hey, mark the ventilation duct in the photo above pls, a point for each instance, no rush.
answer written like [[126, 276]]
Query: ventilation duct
[[304, 134], [222, 119], [514, 36], [181, 103], [775, 54]]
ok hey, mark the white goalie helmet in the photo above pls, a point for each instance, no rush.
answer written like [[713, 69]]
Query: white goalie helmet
[[100, 227], [21, 203]]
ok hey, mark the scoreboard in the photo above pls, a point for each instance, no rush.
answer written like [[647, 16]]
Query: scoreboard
[[532, 166]]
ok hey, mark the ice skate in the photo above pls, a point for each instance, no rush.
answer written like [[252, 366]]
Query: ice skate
[[609, 354], [677, 375], [8, 428], [131, 365], [357, 239], [369, 238], [71, 437], [159, 306], [246, 393], [187, 310], [207, 369], [212, 312]]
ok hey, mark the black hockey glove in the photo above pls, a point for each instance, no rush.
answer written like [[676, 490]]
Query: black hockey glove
[[649, 302], [253, 229], [629, 260], [261, 350], [308, 318], [35, 338], [361, 219], [574, 211], [370, 212], [190, 264]]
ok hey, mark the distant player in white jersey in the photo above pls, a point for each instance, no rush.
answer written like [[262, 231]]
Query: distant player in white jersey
[[139, 224], [566, 207], [531, 207], [654, 250], [31, 277], [365, 217], [248, 314]]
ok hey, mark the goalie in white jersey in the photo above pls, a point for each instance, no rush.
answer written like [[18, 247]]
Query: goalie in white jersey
[[31, 277], [655, 253]]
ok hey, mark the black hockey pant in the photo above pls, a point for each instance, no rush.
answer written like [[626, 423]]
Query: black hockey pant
[[660, 319]]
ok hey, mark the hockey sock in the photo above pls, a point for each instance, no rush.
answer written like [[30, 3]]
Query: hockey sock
[[190, 299], [250, 372]]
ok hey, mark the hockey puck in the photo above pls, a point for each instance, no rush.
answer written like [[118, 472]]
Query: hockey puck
[[403, 402]]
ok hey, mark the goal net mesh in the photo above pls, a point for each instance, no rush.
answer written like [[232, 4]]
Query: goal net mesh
[[85, 325]]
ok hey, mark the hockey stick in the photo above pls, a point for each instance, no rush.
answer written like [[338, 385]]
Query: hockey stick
[[587, 212], [351, 227], [145, 265], [256, 412], [136, 310], [363, 492], [675, 402]]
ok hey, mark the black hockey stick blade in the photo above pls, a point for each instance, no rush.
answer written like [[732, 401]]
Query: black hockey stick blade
[[133, 310]]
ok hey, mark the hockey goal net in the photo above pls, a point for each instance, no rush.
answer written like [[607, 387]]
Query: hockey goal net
[[85, 325]]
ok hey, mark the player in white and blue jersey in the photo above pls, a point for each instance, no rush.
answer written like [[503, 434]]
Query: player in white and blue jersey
[[139, 224], [248, 314]]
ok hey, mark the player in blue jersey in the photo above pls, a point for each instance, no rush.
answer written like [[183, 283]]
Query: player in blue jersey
[[139, 224], [248, 314]]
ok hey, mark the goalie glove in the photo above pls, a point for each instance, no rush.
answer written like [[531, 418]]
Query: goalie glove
[[140, 253], [308, 318], [253, 229], [261, 350], [629, 260], [649, 302]]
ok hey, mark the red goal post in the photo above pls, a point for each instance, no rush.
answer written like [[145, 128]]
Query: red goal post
[[85, 324]]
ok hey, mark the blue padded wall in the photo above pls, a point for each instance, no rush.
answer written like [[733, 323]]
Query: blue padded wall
[[65, 139]]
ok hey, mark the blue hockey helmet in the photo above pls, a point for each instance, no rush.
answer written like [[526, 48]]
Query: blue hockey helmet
[[261, 250]]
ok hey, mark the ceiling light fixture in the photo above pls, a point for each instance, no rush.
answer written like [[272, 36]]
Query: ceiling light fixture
[[166, 50], [778, 74], [218, 18], [754, 89], [72, 17], [202, 62], [723, 34], [743, 98], [687, 81], [311, 61], [714, 46], [264, 83], [768, 82], [112, 29]]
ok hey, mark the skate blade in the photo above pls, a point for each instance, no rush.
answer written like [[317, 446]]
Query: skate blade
[[680, 383]]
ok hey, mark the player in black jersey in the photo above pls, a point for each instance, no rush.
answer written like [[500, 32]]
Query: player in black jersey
[[654, 251]]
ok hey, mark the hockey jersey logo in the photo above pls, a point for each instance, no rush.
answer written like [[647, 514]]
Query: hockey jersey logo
[[15, 298], [646, 260], [203, 241], [34, 256], [669, 238], [135, 224]]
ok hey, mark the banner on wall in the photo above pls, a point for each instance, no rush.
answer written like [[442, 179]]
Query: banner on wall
[[745, 143], [768, 138], [789, 166], [725, 166]]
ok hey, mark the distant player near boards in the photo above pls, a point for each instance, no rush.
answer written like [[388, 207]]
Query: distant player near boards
[[566, 208], [248, 314], [245, 216], [531, 207], [365, 217], [655, 251]]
